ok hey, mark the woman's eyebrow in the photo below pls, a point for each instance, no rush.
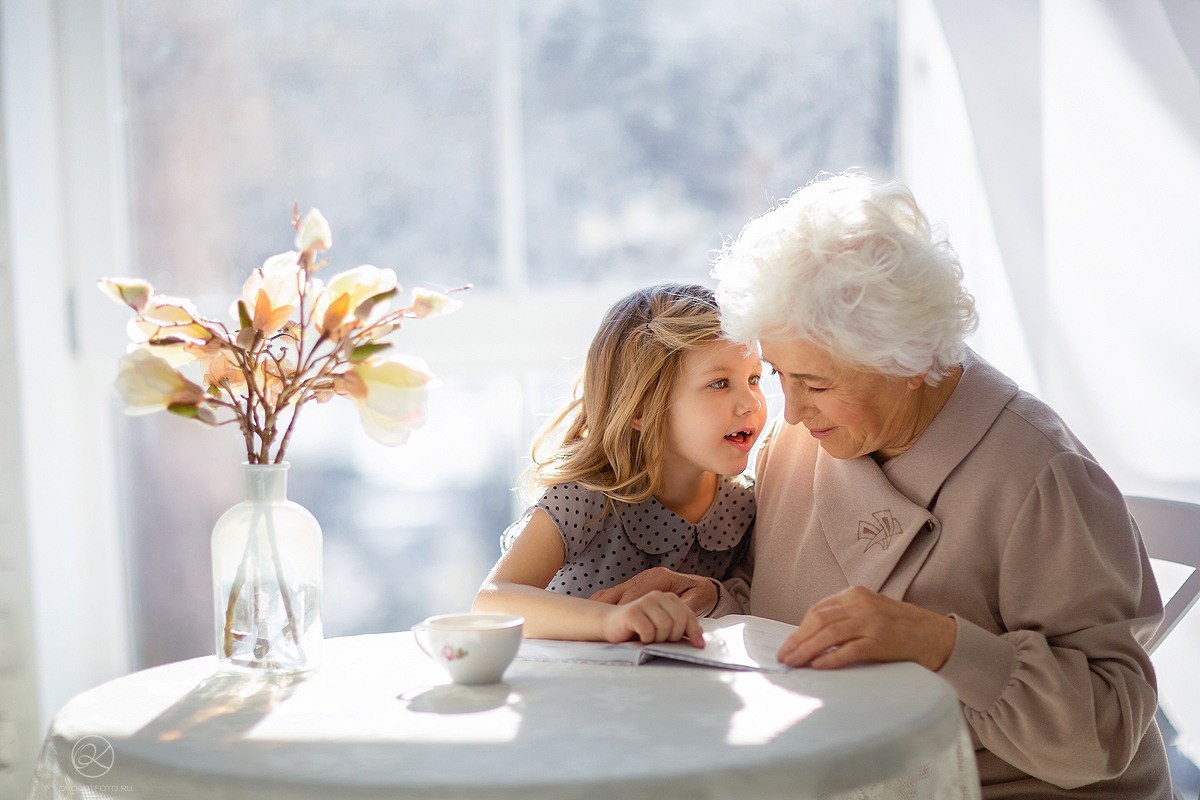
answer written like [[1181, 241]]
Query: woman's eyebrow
[[802, 376]]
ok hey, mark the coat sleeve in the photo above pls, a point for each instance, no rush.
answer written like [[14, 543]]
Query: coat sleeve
[[1067, 690], [733, 593]]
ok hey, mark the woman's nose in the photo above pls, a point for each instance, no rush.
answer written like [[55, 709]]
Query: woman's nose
[[795, 410]]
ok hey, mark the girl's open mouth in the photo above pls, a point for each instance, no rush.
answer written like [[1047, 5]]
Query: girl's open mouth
[[740, 437]]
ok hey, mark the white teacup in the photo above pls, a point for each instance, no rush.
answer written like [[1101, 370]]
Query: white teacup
[[474, 648]]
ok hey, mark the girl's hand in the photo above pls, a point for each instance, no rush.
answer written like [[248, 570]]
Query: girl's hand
[[863, 626], [653, 617]]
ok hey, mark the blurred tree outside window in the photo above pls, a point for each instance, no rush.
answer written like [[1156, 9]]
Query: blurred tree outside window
[[553, 153]]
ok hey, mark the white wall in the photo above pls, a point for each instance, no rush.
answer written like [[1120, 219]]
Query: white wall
[[59, 527]]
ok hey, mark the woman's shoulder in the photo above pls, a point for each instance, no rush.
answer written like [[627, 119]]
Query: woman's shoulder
[[1030, 428]]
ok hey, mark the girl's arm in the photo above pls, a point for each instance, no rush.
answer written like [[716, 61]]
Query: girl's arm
[[516, 585]]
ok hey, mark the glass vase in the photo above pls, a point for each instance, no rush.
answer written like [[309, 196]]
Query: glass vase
[[266, 553]]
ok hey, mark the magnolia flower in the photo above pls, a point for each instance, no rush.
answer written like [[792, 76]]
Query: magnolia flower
[[272, 293], [223, 373], [170, 311], [296, 340], [312, 233], [132, 292], [149, 384], [428, 303], [176, 355], [158, 331], [344, 303], [390, 396], [274, 377]]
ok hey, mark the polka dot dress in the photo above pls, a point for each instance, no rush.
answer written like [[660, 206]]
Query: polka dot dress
[[606, 549]]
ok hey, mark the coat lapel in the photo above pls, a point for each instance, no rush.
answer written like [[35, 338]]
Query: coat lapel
[[878, 536]]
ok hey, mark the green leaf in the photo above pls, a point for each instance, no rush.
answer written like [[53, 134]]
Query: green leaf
[[185, 410], [244, 315], [365, 351], [197, 412]]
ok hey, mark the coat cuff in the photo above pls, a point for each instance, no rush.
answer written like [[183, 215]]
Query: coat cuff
[[725, 602], [980, 665]]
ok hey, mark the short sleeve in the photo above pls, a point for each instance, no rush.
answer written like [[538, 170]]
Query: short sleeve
[[576, 513]]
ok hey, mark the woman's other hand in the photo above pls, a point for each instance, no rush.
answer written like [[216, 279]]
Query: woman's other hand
[[700, 594], [653, 617], [857, 625]]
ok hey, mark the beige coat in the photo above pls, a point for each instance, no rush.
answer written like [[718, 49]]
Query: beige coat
[[999, 517]]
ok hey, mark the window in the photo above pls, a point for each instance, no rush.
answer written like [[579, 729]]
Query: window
[[555, 154]]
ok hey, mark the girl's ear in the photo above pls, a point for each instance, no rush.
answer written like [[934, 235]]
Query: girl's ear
[[637, 422]]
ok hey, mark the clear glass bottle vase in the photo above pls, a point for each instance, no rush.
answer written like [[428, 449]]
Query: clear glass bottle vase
[[266, 555]]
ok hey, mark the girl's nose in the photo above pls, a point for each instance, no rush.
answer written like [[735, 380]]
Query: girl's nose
[[750, 402]]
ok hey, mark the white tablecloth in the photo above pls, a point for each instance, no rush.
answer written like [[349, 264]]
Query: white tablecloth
[[379, 720]]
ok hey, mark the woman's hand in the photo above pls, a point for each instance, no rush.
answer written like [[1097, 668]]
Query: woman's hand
[[700, 594], [653, 617], [857, 625]]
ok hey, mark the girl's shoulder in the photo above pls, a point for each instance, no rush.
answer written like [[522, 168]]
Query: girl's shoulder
[[580, 514], [572, 507]]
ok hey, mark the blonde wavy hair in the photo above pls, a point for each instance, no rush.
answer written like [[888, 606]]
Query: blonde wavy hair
[[627, 377]]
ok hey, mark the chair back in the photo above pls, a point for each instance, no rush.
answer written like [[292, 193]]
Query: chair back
[[1171, 531]]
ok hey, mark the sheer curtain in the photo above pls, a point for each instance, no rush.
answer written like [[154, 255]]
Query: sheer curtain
[[1075, 140], [1060, 143]]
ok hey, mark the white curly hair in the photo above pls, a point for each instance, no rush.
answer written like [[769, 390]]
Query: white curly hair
[[851, 265]]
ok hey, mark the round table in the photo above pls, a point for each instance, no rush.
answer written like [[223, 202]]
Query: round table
[[379, 719]]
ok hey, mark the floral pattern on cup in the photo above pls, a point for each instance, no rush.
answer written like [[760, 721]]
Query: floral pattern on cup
[[453, 654]]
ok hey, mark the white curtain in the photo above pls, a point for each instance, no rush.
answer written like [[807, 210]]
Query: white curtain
[[1065, 159]]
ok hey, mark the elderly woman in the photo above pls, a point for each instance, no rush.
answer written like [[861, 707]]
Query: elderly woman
[[918, 506]]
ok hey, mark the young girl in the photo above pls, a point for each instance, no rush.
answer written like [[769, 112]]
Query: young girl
[[662, 423]]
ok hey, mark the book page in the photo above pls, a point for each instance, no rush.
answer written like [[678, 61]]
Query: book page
[[733, 642], [626, 653]]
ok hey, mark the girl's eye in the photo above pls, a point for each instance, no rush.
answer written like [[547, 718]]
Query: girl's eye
[[719, 384], [755, 380]]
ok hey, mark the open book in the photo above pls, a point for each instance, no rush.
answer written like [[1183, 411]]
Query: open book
[[733, 642]]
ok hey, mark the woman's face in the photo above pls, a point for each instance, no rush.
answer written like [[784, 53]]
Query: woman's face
[[850, 412]]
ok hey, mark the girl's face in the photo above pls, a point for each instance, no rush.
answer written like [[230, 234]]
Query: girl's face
[[716, 411]]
